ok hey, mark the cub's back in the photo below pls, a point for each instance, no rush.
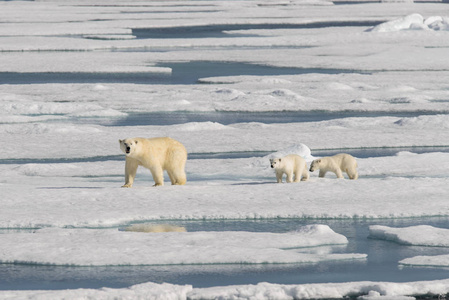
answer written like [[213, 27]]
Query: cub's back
[[343, 158]]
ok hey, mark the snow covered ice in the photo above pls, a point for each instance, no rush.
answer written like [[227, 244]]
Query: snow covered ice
[[87, 247], [428, 235], [237, 82], [414, 22]]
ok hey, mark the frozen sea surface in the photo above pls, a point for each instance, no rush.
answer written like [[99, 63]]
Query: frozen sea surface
[[237, 82]]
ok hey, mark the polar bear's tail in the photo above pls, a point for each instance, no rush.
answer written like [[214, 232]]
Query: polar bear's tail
[[154, 228]]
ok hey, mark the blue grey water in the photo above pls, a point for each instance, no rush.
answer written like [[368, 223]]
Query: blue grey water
[[182, 73], [222, 30]]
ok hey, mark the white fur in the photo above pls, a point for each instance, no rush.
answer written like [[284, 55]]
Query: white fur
[[294, 166], [157, 155], [154, 228], [337, 164]]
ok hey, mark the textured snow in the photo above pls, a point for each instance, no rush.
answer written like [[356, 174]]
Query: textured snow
[[263, 290], [149, 290], [218, 189], [413, 22]]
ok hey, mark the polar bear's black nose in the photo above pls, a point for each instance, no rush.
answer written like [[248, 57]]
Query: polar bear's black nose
[[128, 149]]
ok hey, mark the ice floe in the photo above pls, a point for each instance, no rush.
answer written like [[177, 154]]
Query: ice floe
[[149, 290], [90, 247], [263, 290], [370, 290], [423, 235], [435, 261], [216, 189], [413, 22]]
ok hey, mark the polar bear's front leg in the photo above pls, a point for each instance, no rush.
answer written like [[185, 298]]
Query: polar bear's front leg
[[131, 165], [289, 177], [158, 176], [322, 173], [279, 176]]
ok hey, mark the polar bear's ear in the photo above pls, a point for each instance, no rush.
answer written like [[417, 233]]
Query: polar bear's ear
[[135, 142], [120, 141], [280, 159]]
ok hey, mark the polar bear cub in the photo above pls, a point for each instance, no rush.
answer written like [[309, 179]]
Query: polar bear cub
[[337, 164], [157, 155], [291, 165]]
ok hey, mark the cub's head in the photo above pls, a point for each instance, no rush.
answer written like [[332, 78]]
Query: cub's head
[[275, 162], [315, 165], [128, 146]]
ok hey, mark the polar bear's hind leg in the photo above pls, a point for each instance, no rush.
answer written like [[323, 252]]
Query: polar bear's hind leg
[[299, 172], [177, 177], [305, 173], [352, 173]]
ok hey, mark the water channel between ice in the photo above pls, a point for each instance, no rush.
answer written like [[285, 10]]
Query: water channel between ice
[[233, 117], [182, 73]]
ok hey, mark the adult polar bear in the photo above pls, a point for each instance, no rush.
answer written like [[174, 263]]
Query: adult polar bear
[[337, 164], [156, 154]]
